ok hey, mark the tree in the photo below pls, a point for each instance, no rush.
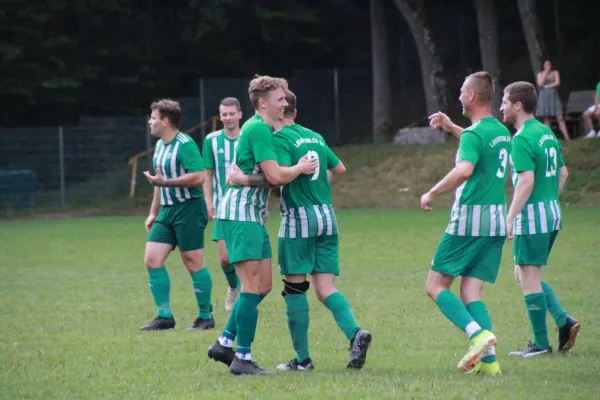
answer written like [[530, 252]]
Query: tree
[[488, 44], [432, 71], [382, 94], [533, 33]]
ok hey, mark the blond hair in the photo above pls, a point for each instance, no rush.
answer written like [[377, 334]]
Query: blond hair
[[260, 86]]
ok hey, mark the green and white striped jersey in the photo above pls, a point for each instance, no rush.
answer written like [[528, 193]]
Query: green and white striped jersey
[[174, 159], [218, 151], [535, 148], [480, 202], [305, 204], [244, 203]]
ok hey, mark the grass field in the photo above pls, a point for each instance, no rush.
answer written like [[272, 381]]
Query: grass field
[[74, 292]]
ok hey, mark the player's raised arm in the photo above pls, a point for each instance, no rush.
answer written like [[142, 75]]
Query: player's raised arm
[[439, 120]]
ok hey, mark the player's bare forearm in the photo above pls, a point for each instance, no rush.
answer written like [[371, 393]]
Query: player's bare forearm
[[191, 179], [456, 130], [335, 174], [259, 181], [207, 184], [520, 196], [453, 180], [155, 202], [563, 174]]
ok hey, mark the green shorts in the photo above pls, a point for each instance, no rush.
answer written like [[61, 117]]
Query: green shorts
[[300, 256], [217, 231], [245, 240], [533, 249], [475, 256], [181, 225]]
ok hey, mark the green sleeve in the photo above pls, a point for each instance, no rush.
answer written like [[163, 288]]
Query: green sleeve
[[190, 157], [284, 155], [521, 154], [207, 154], [332, 159], [469, 147], [598, 89], [261, 143]]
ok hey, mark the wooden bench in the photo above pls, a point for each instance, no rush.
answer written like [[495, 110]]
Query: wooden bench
[[578, 102]]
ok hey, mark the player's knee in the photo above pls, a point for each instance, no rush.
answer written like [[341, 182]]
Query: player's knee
[[153, 261], [224, 260], [294, 288], [266, 287]]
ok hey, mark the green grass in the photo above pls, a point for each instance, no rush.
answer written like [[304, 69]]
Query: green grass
[[74, 292]]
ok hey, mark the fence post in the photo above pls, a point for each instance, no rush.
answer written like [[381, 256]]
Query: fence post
[[336, 102], [202, 108], [61, 158]]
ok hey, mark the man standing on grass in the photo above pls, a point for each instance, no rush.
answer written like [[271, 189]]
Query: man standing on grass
[[242, 215], [177, 216], [308, 239], [534, 218], [218, 151], [472, 245]]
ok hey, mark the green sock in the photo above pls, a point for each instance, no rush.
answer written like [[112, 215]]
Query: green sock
[[160, 286], [246, 318], [456, 312], [537, 308], [202, 289], [230, 331], [554, 307], [340, 308], [296, 307], [231, 276], [481, 315]]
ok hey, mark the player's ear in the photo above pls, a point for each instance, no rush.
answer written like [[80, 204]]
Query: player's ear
[[295, 114]]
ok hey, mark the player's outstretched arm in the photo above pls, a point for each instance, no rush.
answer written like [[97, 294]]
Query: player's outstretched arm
[[563, 174], [522, 191], [450, 182], [336, 173], [439, 120], [191, 179]]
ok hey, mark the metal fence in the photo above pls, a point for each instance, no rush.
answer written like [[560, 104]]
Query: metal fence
[[45, 167]]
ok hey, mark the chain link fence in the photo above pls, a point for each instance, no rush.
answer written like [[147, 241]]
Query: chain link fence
[[87, 164]]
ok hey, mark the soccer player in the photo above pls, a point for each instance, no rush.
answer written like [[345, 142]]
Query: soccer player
[[308, 239], [242, 217], [218, 150], [534, 218], [177, 216], [472, 244]]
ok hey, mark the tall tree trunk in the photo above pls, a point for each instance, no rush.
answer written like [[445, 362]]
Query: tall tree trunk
[[432, 71], [382, 93], [488, 44], [533, 34]]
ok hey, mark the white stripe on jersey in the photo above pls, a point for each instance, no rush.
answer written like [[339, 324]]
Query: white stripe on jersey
[[531, 218], [475, 220], [292, 224], [319, 220], [233, 203], [284, 213], [173, 162], [502, 220], [543, 220], [243, 202], [162, 164], [303, 222], [328, 219], [216, 178], [558, 220], [492, 220], [462, 221]]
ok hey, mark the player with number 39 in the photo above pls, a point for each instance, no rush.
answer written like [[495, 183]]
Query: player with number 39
[[308, 239], [534, 218]]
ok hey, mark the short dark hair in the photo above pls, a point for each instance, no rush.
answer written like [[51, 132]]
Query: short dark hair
[[231, 101], [290, 98], [168, 109], [482, 84], [524, 93]]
